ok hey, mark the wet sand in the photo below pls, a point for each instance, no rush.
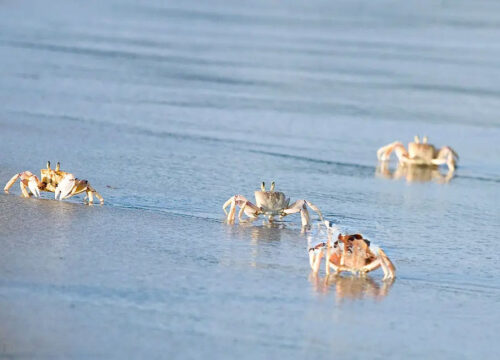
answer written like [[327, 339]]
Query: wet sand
[[168, 110]]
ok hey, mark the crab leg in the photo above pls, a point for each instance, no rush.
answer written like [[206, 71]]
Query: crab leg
[[329, 245], [335, 267], [300, 206], [330, 264], [327, 260], [230, 201], [74, 191], [23, 189], [315, 259], [385, 269], [246, 207], [78, 187], [33, 186], [90, 196], [304, 216], [232, 210], [371, 266], [312, 258], [382, 261], [28, 180], [384, 152], [342, 247], [387, 265], [448, 156], [315, 208], [91, 191], [81, 186], [242, 211], [11, 182], [70, 186]]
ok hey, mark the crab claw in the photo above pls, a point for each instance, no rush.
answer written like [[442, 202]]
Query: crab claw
[[384, 153], [33, 186], [65, 186]]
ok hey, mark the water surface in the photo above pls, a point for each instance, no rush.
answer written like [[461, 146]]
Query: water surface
[[171, 108]]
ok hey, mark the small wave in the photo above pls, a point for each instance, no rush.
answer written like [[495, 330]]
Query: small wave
[[475, 288], [478, 178], [347, 168]]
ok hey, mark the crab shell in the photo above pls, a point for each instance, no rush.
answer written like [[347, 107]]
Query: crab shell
[[422, 153], [51, 178], [356, 254], [271, 202]]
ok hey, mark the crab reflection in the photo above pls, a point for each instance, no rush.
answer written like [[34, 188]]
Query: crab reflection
[[351, 287], [262, 231], [266, 224], [413, 173], [261, 237]]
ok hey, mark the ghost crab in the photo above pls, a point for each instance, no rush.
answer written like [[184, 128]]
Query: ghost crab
[[420, 153], [62, 183], [270, 204], [350, 253]]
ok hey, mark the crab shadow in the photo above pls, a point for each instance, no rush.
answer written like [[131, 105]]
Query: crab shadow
[[413, 173], [350, 287]]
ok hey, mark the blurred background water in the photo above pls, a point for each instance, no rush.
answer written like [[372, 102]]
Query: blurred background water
[[170, 108]]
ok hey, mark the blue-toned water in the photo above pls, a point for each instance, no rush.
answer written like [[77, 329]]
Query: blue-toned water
[[170, 108]]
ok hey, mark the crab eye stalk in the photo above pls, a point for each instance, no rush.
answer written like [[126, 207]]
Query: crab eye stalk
[[58, 166], [263, 186], [48, 165], [272, 186]]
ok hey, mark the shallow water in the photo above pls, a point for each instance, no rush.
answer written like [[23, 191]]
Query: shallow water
[[170, 109]]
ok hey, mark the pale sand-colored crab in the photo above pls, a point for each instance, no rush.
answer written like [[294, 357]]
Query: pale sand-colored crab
[[62, 183], [270, 204], [420, 153], [350, 253]]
